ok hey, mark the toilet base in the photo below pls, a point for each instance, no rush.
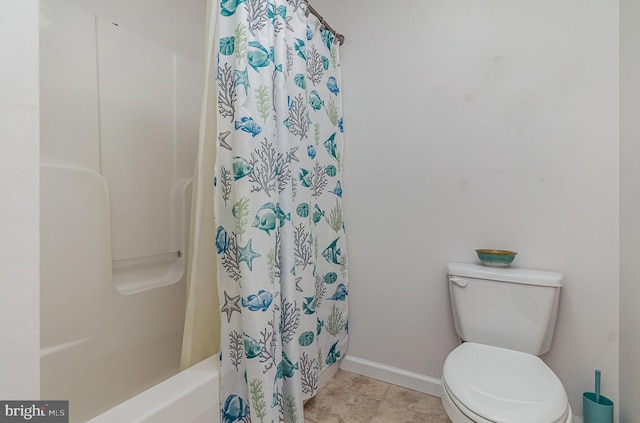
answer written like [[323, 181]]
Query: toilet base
[[457, 416]]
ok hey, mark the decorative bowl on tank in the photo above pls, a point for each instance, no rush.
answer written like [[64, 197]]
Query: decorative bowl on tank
[[496, 258]]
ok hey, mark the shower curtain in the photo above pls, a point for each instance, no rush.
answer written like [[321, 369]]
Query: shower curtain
[[201, 337], [280, 238]]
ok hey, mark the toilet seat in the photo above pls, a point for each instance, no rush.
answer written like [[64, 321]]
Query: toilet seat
[[493, 384], [456, 411]]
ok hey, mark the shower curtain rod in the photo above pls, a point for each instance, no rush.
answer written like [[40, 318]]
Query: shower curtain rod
[[324, 23]]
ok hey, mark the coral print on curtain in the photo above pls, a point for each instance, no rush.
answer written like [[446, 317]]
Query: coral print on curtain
[[282, 263]]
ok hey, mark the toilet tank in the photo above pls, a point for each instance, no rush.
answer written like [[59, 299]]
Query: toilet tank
[[511, 308]]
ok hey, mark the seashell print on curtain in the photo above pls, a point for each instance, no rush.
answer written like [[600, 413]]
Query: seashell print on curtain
[[280, 239]]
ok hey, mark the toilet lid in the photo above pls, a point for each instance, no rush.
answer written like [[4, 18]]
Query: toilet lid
[[503, 385]]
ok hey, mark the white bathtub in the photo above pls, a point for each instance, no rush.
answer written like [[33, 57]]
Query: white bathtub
[[191, 396]]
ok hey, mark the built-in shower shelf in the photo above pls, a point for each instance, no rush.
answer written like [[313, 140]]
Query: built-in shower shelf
[[136, 274], [153, 257]]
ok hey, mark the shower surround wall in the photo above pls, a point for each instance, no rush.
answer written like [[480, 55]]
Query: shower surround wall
[[119, 129]]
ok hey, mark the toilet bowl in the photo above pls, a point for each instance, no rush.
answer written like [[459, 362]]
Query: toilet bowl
[[487, 384], [506, 319]]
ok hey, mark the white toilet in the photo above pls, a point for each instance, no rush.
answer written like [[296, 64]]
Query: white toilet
[[506, 318]]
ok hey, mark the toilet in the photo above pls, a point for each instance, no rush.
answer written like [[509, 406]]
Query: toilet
[[506, 318]]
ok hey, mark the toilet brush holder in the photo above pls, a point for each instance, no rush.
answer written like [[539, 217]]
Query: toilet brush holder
[[597, 408]]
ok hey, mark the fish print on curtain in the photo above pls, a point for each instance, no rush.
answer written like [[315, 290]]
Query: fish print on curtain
[[280, 239]]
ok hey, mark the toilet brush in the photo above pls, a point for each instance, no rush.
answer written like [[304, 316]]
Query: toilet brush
[[597, 408]]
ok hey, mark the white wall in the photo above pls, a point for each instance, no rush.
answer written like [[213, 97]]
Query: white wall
[[19, 285], [629, 211], [480, 125]]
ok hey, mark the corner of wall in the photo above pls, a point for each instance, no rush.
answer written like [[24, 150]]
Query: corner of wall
[[629, 373], [19, 247]]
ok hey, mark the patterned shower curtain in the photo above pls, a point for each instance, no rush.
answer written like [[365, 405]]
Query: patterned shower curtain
[[280, 238]]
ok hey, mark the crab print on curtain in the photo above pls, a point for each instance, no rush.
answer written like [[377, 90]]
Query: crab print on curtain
[[280, 238]]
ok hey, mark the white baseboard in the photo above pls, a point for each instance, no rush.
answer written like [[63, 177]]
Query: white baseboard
[[400, 377]]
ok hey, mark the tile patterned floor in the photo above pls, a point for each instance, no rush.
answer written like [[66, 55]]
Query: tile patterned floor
[[352, 398]]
